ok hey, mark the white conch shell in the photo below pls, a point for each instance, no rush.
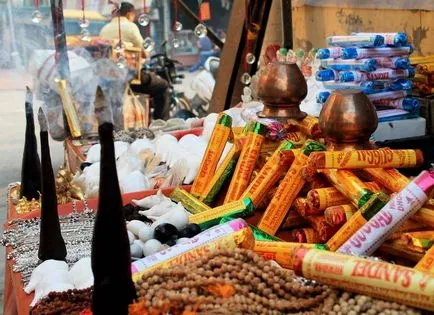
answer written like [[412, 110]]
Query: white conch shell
[[94, 153], [150, 201], [52, 281], [208, 125], [81, 274], [193, 168], [135, 226], [39, 272], [136, 251], [141, 145], [146, 233], [134, 182], [177, 216], [151, 247], [131, 237], [158, 210]]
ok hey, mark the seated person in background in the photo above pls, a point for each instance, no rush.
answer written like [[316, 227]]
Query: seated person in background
[[151, 84], [206, 50]]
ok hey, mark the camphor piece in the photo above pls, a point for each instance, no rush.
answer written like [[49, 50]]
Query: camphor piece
[[51, 243], [401, 207], [380, 279], [31, 164]]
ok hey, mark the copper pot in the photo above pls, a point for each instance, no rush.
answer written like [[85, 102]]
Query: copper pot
[[282, 87], [348, 120]]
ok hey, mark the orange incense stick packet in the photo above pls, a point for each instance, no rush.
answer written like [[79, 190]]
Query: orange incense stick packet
[[323, 198], [297, 138], [268, 176], [287, 190], [293, 220], [304, 235], [349, 185], [424, 216], [338, 215], [214, 150], [281, 252], [246, 162], [308, 126], [319, 224], [426, 264], [379, 279], [382, 158]]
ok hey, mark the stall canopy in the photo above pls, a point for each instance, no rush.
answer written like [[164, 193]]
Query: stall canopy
[[372, 4]]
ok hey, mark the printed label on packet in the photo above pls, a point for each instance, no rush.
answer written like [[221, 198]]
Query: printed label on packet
[[370, 158], [388, 219], [389, 178], [379, 279], [285, 195], [330, 197], [346, 231], [209, 235], [426, 264]]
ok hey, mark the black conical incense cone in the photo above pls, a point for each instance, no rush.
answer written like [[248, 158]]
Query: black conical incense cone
[[113, 287], [51, 243], [31, 167]]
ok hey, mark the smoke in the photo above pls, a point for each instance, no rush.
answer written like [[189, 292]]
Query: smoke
[[30, 48]]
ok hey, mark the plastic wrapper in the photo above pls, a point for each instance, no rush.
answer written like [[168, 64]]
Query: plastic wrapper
[[304, 235], [246, 162], [350, 64], [420, 239], [392, 179], [390, 39], [257, 233], [379, 279], [221, 176], [214, 150], [235, 233], [408, 104], [270, 173], [287, 191], [402, 206], [360, 53], [190, 203], [330, 52], [298, 138], [349, 185], [393, 62], [338, 215], [357, 159], [327, 75], [241, 208], [357, 220], [359, 40], [308, 126], [379, 74], [324, 230], [425, 68], [281, 252], [321, 199], [421, 59], [293, 220], [426, 264]]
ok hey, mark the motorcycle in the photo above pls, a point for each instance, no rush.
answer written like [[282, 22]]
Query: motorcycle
[[165, 67], [203, 85]]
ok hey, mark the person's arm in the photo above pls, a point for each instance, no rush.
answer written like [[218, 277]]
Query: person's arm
[[136, 37]]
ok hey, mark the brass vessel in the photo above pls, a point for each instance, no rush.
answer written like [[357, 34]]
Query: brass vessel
[[347, 120], [282, 87]]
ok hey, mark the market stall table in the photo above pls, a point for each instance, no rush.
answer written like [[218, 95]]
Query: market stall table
[[16, 301]]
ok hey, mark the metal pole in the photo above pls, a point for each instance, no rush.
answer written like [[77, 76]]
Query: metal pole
[[287, 24], [60, 38], [167, 18]]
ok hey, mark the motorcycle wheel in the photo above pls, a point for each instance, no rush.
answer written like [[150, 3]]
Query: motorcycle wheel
[[179, 103]]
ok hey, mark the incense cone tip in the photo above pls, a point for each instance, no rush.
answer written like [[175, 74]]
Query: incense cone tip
[[42, 120], [29, 101]]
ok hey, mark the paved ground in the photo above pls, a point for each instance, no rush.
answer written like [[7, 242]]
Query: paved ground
[[12, 127]]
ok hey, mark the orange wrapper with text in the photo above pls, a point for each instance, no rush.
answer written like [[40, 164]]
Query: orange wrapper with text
[[285, 195], [246, 162], [338, 215], [383, 158], [426, 264], [281, 252], [214, 150], [378, 279], [268, 176]]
